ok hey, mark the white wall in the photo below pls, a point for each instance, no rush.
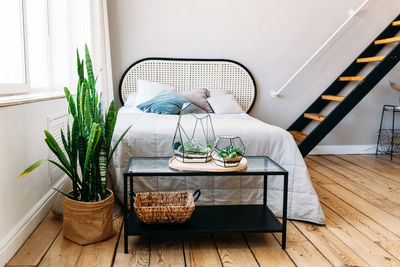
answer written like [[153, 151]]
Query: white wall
[[23, 201], [272, 38]]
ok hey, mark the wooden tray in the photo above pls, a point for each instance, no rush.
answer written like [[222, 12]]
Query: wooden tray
[[205, 167]]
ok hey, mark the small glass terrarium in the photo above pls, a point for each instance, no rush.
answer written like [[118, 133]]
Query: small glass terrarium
[[228, 151], [194, 135]]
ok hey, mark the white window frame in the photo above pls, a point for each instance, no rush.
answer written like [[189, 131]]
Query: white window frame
[[21, 88]]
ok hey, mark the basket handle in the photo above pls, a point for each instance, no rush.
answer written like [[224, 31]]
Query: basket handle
[[196, 195], [132, 195]]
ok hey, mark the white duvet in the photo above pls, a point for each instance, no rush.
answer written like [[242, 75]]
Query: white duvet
[[152, 134]]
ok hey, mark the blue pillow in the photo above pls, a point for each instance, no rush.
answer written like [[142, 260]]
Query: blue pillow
[[164, 103]]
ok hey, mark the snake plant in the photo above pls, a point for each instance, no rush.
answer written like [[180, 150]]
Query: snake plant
[[87, 143]]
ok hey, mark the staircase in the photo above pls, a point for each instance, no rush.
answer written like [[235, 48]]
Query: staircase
[[345, 104]]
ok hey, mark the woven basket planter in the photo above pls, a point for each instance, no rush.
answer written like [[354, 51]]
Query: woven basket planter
[[165, 207], [88, 222]]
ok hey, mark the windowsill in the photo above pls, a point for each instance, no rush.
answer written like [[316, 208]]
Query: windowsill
[[6, 101]]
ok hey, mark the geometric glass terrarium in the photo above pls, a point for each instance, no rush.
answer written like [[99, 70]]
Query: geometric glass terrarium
[[194, 135], [228, 151]]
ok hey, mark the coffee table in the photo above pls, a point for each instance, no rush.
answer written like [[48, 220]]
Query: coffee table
[[208, 219]]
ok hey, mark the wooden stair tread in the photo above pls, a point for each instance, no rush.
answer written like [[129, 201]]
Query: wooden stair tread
[[396, 23], [314, 116], [351, 78], [298, 135], [387, 40], [333, 97], [370, 59]]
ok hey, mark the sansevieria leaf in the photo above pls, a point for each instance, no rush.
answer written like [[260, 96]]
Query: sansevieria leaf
[[82, 155], [91, 145], [75, 137], [79, 64], [68, 132], [71, 102], [65, 144], [89, 67], [53, 145], [62, 168], [78, 99], [109, 127], [65, 194], [103, 170], [87, 115], [32, 167]]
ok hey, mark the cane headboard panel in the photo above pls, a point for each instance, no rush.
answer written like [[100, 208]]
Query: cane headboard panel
[[189, 74]]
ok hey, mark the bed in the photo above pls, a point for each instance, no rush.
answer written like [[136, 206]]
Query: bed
[[151, 135]]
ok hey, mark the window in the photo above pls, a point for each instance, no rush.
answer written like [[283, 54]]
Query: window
[[37, 31], [24, 64], [12, 67], [38, 43]]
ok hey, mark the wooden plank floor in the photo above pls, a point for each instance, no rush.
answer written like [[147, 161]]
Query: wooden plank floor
[[360, 196]]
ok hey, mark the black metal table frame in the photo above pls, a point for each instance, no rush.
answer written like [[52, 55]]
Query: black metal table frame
[[178, 173]]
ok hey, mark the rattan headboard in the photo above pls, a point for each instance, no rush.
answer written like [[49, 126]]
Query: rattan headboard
[[189, 74]]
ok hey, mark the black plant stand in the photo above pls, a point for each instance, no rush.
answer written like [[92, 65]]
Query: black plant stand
[[208, 219], [394, 109]]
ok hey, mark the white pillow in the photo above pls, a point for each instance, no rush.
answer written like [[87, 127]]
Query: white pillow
[[224, 104], [147, 90], [131, 100]]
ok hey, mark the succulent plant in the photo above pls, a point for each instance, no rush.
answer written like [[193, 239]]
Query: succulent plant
[[191, 147], [230, 152]]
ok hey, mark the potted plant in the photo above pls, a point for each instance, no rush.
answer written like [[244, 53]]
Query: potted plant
[[228, 151], [194, 135], [84, 157], [192, 150]]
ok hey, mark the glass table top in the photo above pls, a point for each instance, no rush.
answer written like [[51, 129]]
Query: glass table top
[[150, 166]]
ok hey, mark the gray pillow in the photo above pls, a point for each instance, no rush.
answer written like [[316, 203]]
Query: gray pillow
[[218, 92], [198, 97]]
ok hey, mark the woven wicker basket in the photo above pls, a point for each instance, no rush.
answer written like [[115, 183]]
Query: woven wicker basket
[[165, 207]]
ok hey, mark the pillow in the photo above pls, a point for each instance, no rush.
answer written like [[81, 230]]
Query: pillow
[[147, 90], [131, 100], [219, 92], [198, 97], [164, 103], [224, 104]]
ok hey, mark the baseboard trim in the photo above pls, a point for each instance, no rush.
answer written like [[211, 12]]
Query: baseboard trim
[[343, 149], [17, 236]]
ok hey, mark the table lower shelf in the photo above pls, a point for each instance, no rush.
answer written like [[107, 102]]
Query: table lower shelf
[[214, 219]]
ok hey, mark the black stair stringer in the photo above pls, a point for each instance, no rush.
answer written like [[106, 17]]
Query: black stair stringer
[[335, 88], [350, 101]]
